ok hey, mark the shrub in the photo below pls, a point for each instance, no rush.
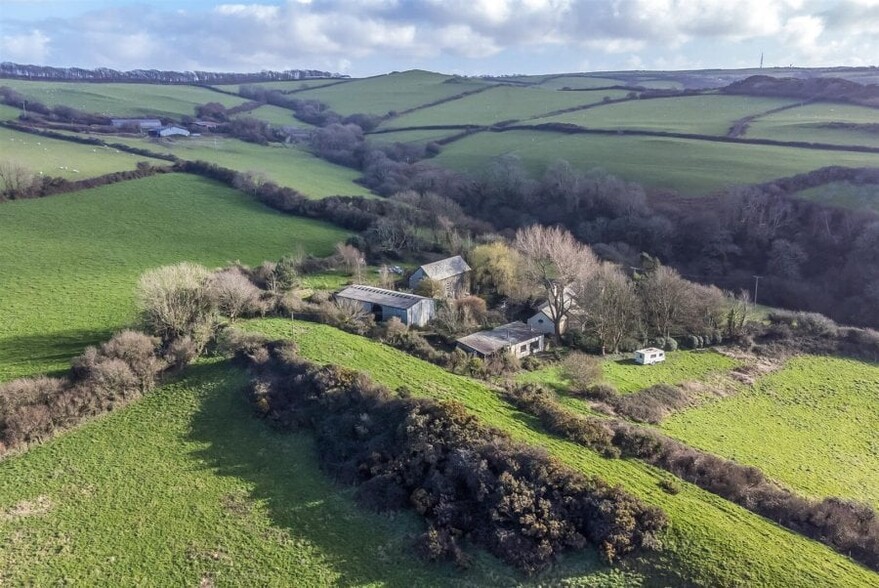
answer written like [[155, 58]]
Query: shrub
[[430, 288], [670, 344], [234, 294], [181, 352], [671, 485], [602, 392], [652, 404], [582, 370], [175, 302]]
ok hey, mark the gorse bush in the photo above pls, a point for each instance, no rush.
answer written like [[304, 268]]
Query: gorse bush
[[471, 483]]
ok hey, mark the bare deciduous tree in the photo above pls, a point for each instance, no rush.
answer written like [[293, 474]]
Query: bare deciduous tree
[[610, 307], [664, 295], [557, 266], [352, 259], [234, 294], [15, 180], [174, 302]]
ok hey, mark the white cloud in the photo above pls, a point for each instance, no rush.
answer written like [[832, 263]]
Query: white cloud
[[326, 34], [31, 47]]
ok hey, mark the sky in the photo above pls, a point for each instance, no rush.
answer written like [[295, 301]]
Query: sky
[[467, 37]]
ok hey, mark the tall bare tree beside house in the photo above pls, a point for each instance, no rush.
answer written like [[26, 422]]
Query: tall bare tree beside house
[[557, 266], [609, 307]]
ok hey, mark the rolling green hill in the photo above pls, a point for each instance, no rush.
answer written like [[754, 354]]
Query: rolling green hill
[[500, 104], [392, 92], [122, 99], [809, 123], [285, 165], [707, 115], [68, 264], [691, 166]]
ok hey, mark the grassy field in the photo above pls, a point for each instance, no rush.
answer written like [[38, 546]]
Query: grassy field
[[287, 166], [68, 264], [627, 376], [811, 425], [804, 124], [419, 136], [689, 166], [707, 115], [8, 112], [579, 82], [274, 115], [283, 85], [187, 487], [844, 195], [710, 542], [500, 104], [122, 99], [57, 158], [391, 92]]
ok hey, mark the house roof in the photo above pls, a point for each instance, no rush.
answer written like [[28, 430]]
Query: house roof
[[488, 342], [380, 296], [445, 268], [136, 121]]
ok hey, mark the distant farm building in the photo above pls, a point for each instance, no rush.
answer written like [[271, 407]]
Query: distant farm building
[[206, 124], [171, 131], [516, 338], [143, 124], [649, 356], [453, 273], [384, 304]]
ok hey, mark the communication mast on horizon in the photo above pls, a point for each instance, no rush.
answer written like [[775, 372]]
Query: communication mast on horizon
[[761, 60]]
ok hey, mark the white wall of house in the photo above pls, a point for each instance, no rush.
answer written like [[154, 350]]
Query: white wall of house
[[542, 323]]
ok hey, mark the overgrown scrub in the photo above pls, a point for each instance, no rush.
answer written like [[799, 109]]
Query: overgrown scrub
[[100, 380], [583, 430], [650, 405], [470, 483]]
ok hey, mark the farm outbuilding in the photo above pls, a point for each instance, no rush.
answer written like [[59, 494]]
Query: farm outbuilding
[[139, 123], [516, 338], [169, 132], [383, 304], [453, 273], [649, 356]]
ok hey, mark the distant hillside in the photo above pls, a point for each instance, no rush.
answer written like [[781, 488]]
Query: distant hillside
[[102, 74], [836, 89]]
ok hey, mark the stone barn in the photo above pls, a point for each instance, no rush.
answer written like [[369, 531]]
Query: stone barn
[[411, 309], [453, 273]]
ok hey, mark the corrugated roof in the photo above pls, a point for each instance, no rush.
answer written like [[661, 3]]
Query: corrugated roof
[[381, 296], [445, 268], [488, 342]]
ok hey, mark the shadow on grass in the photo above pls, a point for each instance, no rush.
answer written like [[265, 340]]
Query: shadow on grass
[[42, 350], [283, 473]]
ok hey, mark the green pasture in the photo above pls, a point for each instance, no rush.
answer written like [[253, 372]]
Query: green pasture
[[575, 82], [122, 100], [806, 123], [691, 167], [58, 158], [499, 104], [274, 115], [627, 376], [710, 542], [391, 92], [9, 112], [286, 165], [812, 425], [69, 264], [188, 488], [706, 115], [416, 136], [284, 85]]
